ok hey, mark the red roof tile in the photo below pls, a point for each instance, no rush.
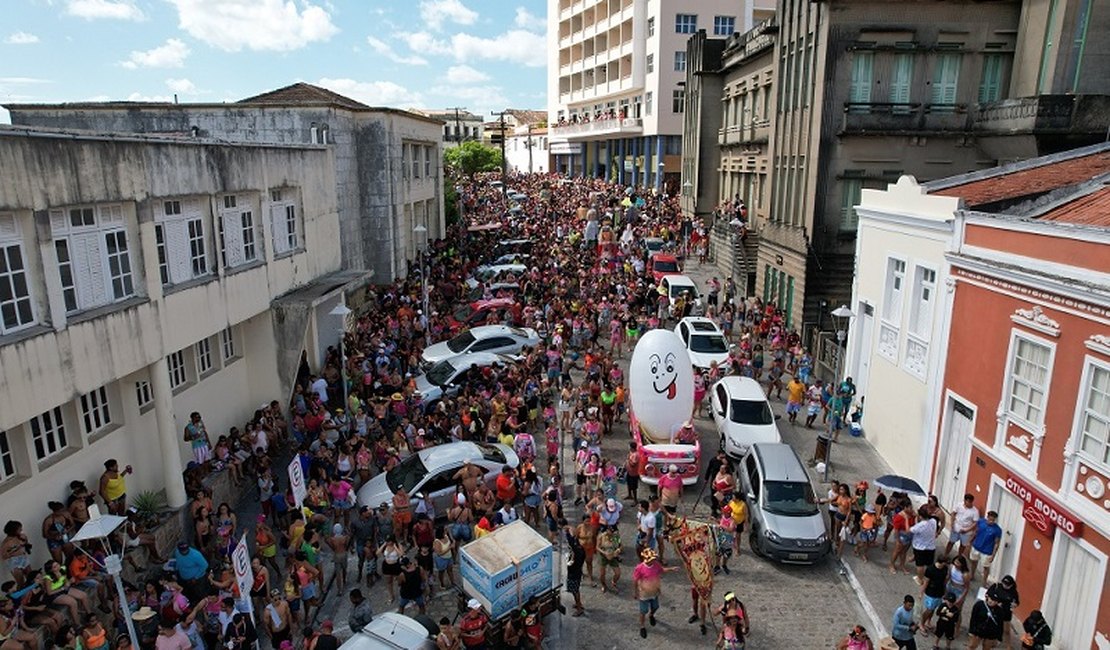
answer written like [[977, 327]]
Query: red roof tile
[[1089, 210], [302, 93], [1030, 182]]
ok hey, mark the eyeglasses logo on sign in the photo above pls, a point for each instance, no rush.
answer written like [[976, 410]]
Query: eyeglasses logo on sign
[[1042, 513]]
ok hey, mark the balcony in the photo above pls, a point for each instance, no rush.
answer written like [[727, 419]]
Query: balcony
[[589, 130], [1043, 114], [918, 119], [755, 132]]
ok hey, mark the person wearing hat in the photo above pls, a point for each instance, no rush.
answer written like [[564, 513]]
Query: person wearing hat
[[277, 618], [474, 626], [1005, 593], [734, 623], [868, 531], [670, 489], [325, 639], [192, 570], [611, 513], [646, 586], [146, 626]]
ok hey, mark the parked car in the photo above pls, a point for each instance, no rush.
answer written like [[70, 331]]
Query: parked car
[[676, 285], [704, 341], [488, 273], [653, 245], [784, 519], [508, 258], [477, 313], [497, 290], [507, 246], [432, 471], [742, 415], [393, 631], [500, 339], [444, 378], [517, 196], [662, 264]]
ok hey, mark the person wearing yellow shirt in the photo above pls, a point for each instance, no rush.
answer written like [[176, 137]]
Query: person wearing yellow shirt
[[795, 395], [113, 488]]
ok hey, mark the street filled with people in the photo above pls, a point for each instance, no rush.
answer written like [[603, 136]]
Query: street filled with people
[[541, 292]]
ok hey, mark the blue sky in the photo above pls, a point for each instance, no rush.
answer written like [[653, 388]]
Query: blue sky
[[479, 54]]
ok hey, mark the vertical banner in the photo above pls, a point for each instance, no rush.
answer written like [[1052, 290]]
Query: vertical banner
[[695, 543], [296, 481], [244, 574]]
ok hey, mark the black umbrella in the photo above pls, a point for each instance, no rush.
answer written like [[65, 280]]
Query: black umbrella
[[895, 483]]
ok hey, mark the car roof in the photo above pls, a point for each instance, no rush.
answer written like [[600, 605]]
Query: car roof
[[779, 462], [493, 302], [448, 454], [679, 280], [467, 359], [653, 239], [389, 630], [744, 388], [663, 257], [487, 331], [701, 324]]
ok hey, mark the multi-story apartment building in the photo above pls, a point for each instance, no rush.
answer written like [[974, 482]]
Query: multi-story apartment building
[[616, 82], [459, 125], [388, 161], [141, 280], [868, 90]]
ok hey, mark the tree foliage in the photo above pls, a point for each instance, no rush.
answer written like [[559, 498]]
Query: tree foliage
[[472, 157]]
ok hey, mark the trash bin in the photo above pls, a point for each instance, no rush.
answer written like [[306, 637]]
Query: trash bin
[[820, 453]]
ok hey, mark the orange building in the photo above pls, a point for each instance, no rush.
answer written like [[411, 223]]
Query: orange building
[[1025, 420]]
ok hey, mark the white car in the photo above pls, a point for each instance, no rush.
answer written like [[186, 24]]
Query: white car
[[393, 631], [500, 339], [742, 415], [490, 272], [445, 378], [507, 258], [704, 341]]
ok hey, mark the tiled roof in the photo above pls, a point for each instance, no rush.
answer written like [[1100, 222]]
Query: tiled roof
[[1092, 209], [527, 116], [302, 93], [1028, 179]]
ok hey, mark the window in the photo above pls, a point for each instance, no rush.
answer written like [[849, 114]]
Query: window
[[1029, 374], [990, 86], [859, 93], [651, 26], [850, 191], [94, 262], [892, 298], [678, 101], [680, 61], [283, 221], [176, 362], [16, 311], [647, 102], [1094, 420], [900, 79], [406, 156], [724, 25], [94, 410], [685, 23], [48, 432], [203, 353], [237, 232], [921, 310], [227, 343], [7, 460], [946, 77], [650, 63], [416, 152], [180, 242], [143, 394]]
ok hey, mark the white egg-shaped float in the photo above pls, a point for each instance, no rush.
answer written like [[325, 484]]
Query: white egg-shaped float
[[660, 385]]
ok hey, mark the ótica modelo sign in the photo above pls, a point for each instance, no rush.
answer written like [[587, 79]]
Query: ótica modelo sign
[[1040, 511]]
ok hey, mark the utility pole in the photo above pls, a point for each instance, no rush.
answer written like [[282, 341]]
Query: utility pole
[[458, 129], [529, 148], [504, 162]]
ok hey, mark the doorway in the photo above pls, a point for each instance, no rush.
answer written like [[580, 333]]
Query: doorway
[[1077, 573], [959, 426], [1009, 508], [863, 351]]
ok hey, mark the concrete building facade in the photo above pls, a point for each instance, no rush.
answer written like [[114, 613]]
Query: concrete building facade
[[388, 162], [148, 277], [459, 125], [616, 82]]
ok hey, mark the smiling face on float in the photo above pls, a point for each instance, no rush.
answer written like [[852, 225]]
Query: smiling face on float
[[661, 385]]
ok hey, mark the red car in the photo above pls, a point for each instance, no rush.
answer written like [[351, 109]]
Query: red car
[[478, 313], [662, 264]]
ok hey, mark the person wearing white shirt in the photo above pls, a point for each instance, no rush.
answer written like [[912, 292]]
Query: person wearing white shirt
[[924, 542], [964, 520], [645, 527]]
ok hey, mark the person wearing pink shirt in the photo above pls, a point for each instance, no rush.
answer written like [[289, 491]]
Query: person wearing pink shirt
[[670, 489]]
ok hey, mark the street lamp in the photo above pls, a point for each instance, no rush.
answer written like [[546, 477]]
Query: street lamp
[[421, 233], [342, 311], [841, 317], [100, 527], [686, 187]]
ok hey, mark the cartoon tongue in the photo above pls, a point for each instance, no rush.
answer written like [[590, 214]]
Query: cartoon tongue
[[672, 390]]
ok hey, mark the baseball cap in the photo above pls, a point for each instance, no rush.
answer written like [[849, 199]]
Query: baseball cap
[[474, 604]]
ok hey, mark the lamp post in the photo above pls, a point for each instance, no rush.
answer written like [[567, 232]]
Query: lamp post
[[421, 233], [841, 318], [341, 311], [659, 174], [100, 527]]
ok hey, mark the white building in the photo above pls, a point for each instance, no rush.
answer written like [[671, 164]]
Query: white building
[[146, 277], [459, 125], [526, 150], [616, 81], [896, 348]]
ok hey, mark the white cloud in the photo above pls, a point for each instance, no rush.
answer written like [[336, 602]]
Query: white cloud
[[139, 97], [527, 20], [171, 54], [116, 9], [425, 43], [434, 12], [373, 93], [22, 81], [513, 46], [482, 97], [277, 25], [464, 74], [182, 86], [21, 38], [384, 49]]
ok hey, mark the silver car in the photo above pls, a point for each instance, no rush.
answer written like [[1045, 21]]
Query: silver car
[[432, 471], [500, 339], [444, 378]]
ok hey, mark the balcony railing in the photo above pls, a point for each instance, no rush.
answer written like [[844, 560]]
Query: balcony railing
[[755, 132], [881, 117], [627, 125]]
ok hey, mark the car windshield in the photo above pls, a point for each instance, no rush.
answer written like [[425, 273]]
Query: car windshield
[[708, 344], [789, 498], [440, 373], [407, 473], [677, 289], [463, 313], [751, 412], [491, 453], [519, 332], [460, 342], [665, 266]]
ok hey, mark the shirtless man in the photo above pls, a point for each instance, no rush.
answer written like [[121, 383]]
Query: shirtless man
[[339, 542], [586, 533], [278, 619], [468, 477], [482, 501], [646, 585]]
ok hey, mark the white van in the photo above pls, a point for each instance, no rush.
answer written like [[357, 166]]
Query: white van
[[393, 631]]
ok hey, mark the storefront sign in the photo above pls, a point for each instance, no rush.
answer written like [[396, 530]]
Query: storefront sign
[[1041, 512], [565, 148]]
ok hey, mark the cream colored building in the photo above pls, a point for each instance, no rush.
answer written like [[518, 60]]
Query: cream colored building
[[147, 277], [901, 299], [526, 150]]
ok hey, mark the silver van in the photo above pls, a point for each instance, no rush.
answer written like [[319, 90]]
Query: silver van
[[784, 519]]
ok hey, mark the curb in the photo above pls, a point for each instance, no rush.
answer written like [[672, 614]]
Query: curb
[[868, 608]]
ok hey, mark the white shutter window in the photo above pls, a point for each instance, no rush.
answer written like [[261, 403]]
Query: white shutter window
[[88, 270], [58, 221], [900, 79], [177, 251], [860, 89], [279, 227], [946, 78], [9, 229], [232, 238]]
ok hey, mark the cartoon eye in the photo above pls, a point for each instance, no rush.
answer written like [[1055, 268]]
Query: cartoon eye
[[654, 368], [670, 368]]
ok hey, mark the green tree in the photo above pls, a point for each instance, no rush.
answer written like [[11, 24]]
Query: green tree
[[472, 157]]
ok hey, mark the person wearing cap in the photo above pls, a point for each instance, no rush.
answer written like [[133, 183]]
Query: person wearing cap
[[646, 586], [474, 626], [324, 639], [868, 531], [192, 569], [670, 489], [1005, 593], [986, 624], [611, 513], [277, 618]]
